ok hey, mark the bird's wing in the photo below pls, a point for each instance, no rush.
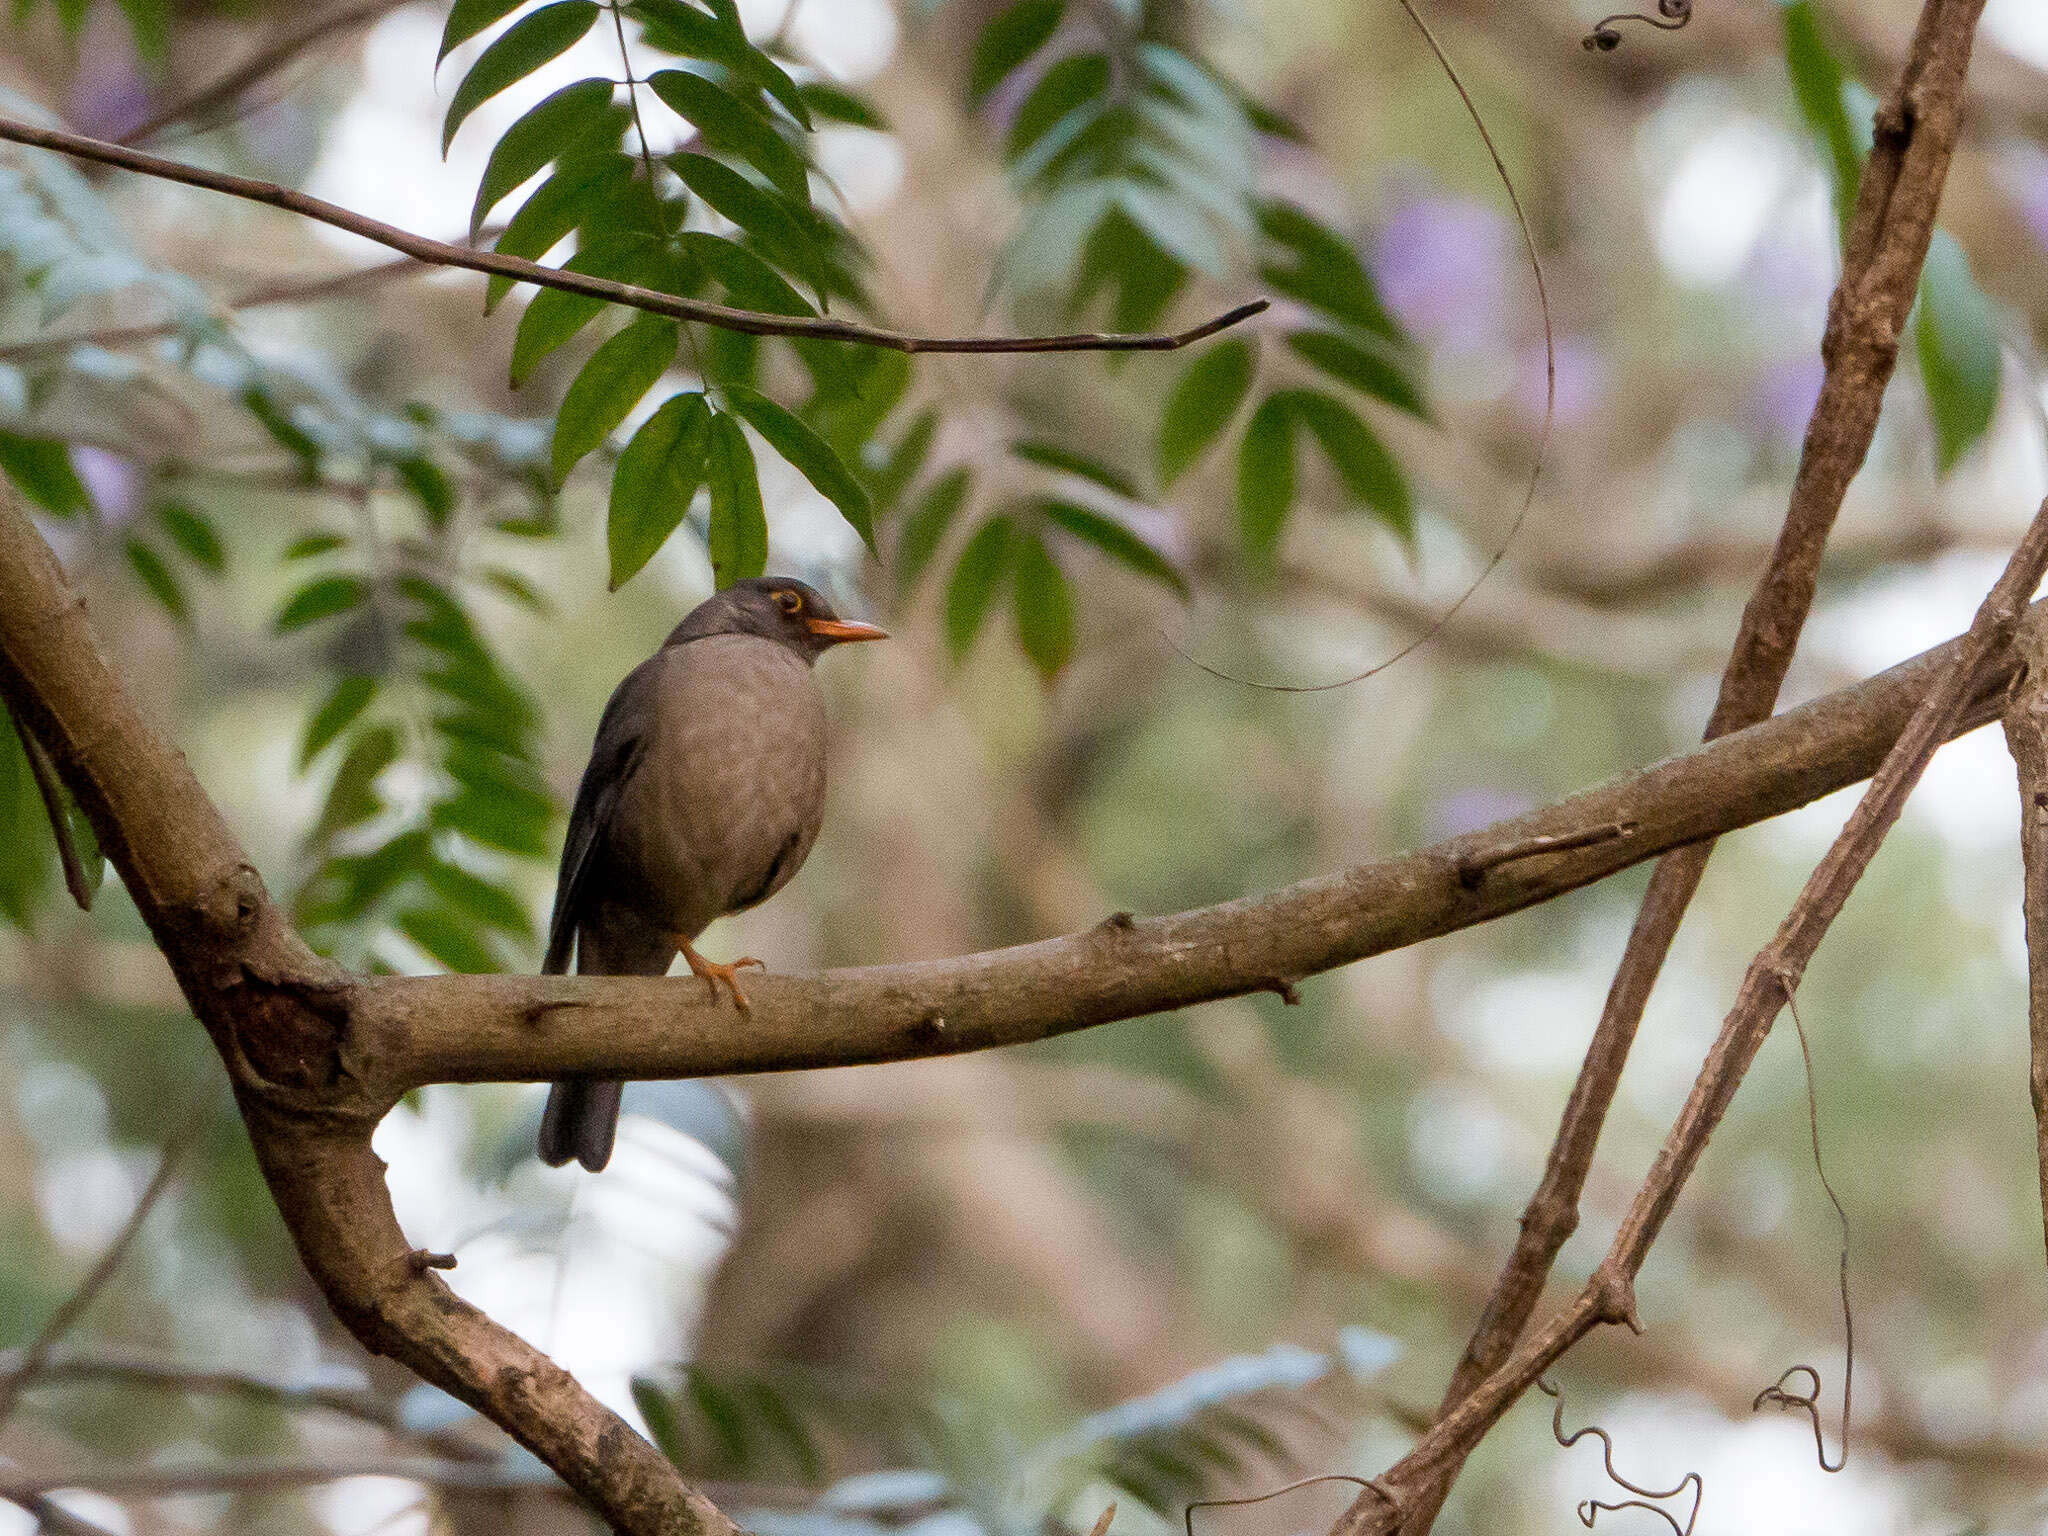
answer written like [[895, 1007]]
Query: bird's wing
[[621, 741]]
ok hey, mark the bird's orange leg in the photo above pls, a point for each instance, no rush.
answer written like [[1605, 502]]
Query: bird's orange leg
[[713, 973]]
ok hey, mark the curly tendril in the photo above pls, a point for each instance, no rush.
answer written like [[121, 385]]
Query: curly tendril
[[1671, 15], [1649, 1499]]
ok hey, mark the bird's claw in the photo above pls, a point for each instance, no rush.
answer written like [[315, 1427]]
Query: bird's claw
[[714, 973]]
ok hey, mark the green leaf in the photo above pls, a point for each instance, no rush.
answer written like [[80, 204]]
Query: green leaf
[[352, 797], [318, 600], [547, 131], [660, 1413], [1010, 38], [40, 468], [1325, 273], [820, 464], [1174, 226], [1265, 478], [927, 524], [1117, 542], [975, 582], [658, 473], [553, 316], [444, 938], [1201, 406], [466, 18], [24, 862], [1817, 82], [494, 905], [1957, 337], [193, 532], [337, 712], [767, 220], [1362, 462], [1075, 81], [610, 385], [1053, 456], [523, 47], [681, 29], [829, 101], [1369, 372], [431, 485], [520, 590], [286, 432], [1045, 607], [732, 127], [312, 544], [748, 280], [579, 188], [495, 822], [906, 460], [153, 573], [739, 527]]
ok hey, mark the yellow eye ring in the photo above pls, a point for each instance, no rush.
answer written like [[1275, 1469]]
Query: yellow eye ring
[[789, 602]]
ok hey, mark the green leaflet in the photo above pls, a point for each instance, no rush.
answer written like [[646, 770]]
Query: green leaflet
[[523, 47], [609, 386], [1201, 406], [975, 580], [739, 525], [546, 133], [1008, 39], [1116, 541], [732, 127], [658, 474], [1372, 373], [1044, 605], [795, 440], [927, 523], [1956, 335], [1362, 462], [1265, 479]]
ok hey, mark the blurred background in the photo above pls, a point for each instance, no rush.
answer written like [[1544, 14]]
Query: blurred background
[[994, 1275]]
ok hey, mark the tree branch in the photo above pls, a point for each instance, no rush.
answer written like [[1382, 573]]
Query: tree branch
[[1886, 245], [2026, 736], [1408, 1487], [746, 321], [224, 91]]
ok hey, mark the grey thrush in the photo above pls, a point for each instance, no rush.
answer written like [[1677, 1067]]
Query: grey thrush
[[704, 793]]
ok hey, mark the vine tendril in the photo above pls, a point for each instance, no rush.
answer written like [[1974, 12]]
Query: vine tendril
[[1671, 15], [1649, 1499]]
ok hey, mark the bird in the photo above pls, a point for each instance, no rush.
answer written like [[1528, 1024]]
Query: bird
[[704, 792]]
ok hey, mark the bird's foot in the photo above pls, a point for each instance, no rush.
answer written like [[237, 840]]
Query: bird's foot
[[713, 973]]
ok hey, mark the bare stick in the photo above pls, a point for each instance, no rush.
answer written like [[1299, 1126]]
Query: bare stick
[[73, 1306], [1916, 131], [2026, 736], [45, 772], [225, 91], [746, 321], [1609, 1296]]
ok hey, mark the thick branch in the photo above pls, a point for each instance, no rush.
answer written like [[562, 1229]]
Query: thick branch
[[2026, 735], [1915, 135], [1772, 978], [746, 321], [273, 1009], [408, 1031]]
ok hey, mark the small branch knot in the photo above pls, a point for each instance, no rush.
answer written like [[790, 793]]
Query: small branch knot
[[420, 1260]]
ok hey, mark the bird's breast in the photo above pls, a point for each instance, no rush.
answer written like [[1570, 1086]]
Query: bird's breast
[[731, 790]]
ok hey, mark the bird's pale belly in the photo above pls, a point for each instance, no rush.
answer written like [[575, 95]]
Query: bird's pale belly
[[729, 807]]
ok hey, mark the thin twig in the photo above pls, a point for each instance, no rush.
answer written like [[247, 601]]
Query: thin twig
[[48, 786], [68, 1312], [1609, 1296], [745, 321], [223, 92], [1916, 131], [255, 1476], [1473, 869], [1777, 1393]]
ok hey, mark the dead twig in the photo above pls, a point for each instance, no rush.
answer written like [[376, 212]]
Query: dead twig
[[2026, 737], [76, 881]]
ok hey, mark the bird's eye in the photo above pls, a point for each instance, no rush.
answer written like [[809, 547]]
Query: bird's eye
[[789, 602]]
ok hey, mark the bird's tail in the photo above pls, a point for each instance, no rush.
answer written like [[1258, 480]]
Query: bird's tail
[[580, 1121]]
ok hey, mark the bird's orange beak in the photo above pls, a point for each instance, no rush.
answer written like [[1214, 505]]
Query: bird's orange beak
[[844, 629]]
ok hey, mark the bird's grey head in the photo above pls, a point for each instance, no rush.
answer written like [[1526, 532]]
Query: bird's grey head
[[778, 608]]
